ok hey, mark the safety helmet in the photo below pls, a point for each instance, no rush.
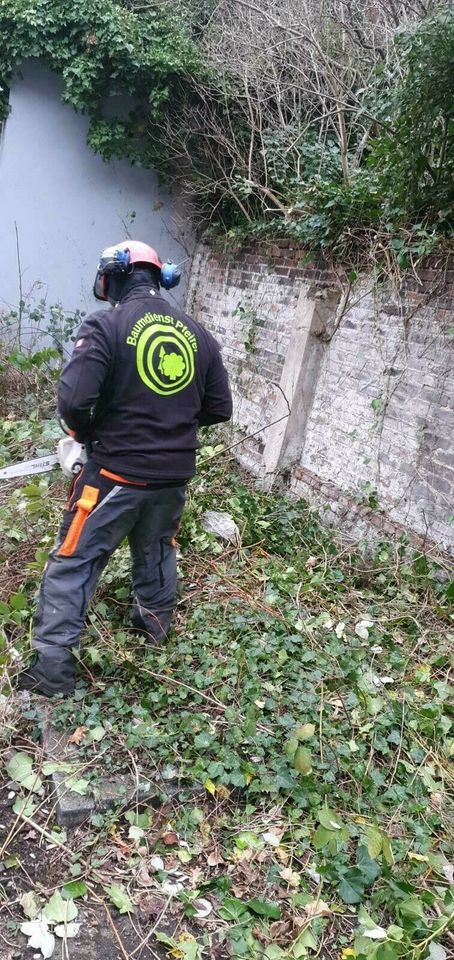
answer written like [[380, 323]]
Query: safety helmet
[[122, 257]]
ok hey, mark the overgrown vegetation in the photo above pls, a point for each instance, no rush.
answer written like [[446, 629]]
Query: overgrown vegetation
[[304, 695], [331, 123]]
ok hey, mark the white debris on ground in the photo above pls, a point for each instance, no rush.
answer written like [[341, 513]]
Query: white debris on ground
[[222, 525]]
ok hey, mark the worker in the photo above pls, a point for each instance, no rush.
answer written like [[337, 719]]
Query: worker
[[143, 377]]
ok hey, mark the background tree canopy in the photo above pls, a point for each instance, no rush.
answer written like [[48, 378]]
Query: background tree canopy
[[325, 121]]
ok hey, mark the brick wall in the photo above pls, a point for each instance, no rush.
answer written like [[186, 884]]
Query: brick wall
[[373, 443]]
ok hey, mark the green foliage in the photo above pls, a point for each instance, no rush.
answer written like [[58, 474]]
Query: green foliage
[[33, 343], [102, 52], [119, 897], [393, 182], [304, 694], [290, 692], [415, 163]]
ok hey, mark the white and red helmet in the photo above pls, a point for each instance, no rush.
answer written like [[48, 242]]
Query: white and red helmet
[[122, 257]]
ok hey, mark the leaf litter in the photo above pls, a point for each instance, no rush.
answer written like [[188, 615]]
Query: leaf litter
[[324, 822]]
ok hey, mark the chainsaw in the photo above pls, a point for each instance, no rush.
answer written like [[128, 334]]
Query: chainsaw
[[70, 454]]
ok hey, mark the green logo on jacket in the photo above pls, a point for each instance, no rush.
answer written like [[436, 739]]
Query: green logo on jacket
[[165, 349]]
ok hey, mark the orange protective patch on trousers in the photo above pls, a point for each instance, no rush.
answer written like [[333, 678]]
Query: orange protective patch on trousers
[[88, 500]]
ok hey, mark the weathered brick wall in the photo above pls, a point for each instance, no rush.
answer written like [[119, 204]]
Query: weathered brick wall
[[376, 448], [249, 303]]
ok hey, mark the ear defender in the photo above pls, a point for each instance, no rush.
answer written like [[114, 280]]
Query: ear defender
[[170, 275]]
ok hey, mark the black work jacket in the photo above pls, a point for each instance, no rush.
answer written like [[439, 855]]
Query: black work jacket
[[142, 378]]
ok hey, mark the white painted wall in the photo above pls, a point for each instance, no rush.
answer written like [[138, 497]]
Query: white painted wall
[[67, 202]]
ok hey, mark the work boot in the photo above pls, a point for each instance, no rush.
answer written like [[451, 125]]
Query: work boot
[[36, 679], [142, 631], [149, 626]]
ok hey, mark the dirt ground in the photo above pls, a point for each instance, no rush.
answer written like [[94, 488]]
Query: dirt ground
[[40, 869]]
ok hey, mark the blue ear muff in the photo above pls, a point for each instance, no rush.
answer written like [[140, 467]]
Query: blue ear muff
[[170, 275]]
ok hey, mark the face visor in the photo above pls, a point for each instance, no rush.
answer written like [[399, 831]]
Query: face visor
[[100, 286], [112, 260]]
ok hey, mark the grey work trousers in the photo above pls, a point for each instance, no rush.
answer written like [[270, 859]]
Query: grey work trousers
[[100, 514]]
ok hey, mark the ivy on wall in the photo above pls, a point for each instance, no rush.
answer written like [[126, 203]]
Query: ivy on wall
[[101, 51]]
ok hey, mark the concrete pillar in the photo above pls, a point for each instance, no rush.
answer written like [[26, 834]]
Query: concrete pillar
[[285, 440]]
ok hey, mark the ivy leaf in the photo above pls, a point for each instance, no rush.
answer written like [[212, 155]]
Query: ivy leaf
[[30, 905], [290, 747], [365, 919], [246, 840], [189, 949], [24, 807], [95, 655], [167, 941], [73, 889], [386, 951], [80, 786], [329, 820], [374, 842], [12, 861], [412, 908], [120, 898], [232, 909], [58, 910], [387, 851], [64, 930], [369, 868], [322, 837], [143, 820], [53, 766], [351, 887], [135, 833], [302, 761], [305, 941], [20, 769], [18, 601], [264, 908], [377, 933], [96, 734], [56, 838], [39, 937], [306, 731], [203, 740]]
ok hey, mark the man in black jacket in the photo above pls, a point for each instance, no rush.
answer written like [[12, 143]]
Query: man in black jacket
[[142, 379]]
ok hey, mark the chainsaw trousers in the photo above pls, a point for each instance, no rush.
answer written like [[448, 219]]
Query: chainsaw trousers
[[101, 512]]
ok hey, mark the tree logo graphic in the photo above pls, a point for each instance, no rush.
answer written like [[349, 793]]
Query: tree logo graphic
[[171, 365], [165, 359]]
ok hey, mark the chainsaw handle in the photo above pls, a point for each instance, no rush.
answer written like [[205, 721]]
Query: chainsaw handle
[[65, 428], [72, 433]]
